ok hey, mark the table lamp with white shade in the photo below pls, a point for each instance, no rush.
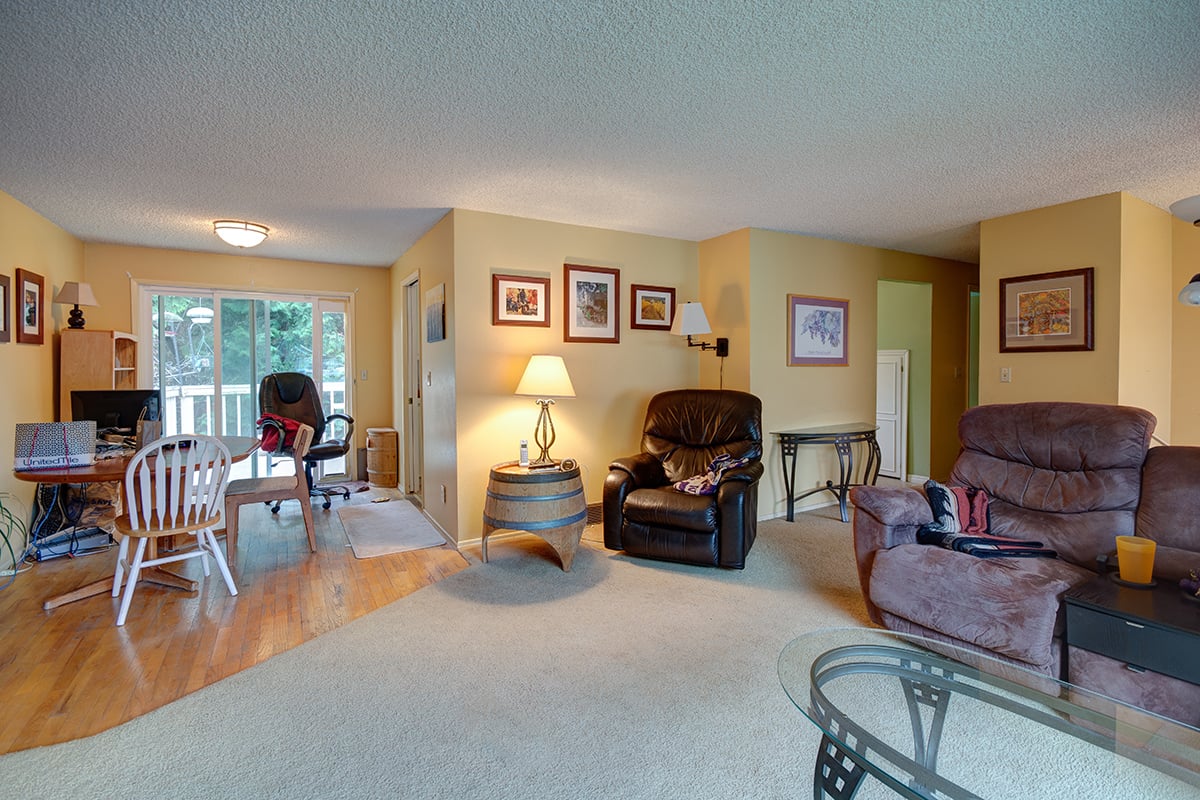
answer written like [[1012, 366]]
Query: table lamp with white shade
[[545, 378]]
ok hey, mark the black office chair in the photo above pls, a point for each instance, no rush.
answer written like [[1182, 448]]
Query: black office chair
[[295, 396]]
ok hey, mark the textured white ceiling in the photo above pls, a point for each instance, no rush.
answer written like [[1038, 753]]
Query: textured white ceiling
[[349, 128]]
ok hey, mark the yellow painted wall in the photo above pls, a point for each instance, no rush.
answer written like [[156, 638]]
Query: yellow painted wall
[[1083, 233], [1140, 255], [433, 258], [1185, 333], [1147, 304], [724, 291], [794, 397], [110, 269], [613, 382], [30, 241]]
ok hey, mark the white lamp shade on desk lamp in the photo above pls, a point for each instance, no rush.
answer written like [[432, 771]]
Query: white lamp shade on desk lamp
[[545, 378]]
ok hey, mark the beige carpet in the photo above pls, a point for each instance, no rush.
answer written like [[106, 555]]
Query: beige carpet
[[624, 678], [394, 526]]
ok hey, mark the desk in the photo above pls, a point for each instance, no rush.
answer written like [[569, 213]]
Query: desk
[[842, 437], [113, 469]]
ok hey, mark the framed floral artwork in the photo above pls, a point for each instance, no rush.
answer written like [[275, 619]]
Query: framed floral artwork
[[818, 328], [1046, 312], [31, 307], [651, 307], [591, 304], [520, 300]]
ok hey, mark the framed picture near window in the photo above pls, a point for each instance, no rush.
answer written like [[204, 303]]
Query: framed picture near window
[[1047, 312], [31, 307], [518, 300], [818, 329], [591, 304], [651, 307], [435, 313], [5, 308]]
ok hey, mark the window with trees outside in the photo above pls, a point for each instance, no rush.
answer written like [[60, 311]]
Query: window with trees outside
[[208, 352]]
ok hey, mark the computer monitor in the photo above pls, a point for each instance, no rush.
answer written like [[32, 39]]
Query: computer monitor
[[116, 408]]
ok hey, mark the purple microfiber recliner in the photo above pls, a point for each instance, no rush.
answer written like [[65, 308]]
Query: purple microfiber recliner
[[1064, 474]]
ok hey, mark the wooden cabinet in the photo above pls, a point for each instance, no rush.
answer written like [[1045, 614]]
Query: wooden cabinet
[[94, 360]]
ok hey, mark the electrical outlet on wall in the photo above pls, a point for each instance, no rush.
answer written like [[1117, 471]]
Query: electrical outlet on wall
[[1005, 375]]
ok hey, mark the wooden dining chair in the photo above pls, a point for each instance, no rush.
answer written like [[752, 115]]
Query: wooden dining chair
[[173, 486], [274, 488]]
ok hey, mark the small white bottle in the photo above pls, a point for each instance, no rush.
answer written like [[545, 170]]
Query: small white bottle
[[524, 462]]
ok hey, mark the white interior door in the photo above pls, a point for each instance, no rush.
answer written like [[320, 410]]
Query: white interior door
[[414, 442], [891, 412]]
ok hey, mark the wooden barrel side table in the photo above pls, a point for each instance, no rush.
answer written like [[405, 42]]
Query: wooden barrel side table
[[549, 504], [382, 444]]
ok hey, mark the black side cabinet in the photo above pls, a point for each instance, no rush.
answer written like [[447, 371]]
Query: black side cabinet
[[1138, 645]]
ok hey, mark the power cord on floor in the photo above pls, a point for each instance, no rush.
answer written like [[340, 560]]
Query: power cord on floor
[[11, 524]]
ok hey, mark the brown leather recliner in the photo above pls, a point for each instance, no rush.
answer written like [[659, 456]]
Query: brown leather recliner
[[686, 429]]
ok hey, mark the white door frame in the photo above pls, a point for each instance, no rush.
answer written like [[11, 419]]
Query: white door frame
[[414, 437]]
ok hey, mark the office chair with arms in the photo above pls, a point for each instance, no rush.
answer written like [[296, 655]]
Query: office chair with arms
[[294, 395]]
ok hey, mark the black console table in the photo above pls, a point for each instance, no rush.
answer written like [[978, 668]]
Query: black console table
[[843, 438]]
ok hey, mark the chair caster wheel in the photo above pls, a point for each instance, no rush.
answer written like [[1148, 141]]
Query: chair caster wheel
[[275, 510], [327, 504]]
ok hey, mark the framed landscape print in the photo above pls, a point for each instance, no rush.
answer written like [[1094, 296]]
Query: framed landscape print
[[651, 307], [1047, 312], [591, 304], [817, 331], [5, 308], [519, 300], [31, 307]]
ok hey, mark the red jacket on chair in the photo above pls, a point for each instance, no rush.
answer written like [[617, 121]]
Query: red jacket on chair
[[272, 426]]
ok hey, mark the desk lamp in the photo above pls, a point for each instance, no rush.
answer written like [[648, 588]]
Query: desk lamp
[[545, 378], [77, 294]]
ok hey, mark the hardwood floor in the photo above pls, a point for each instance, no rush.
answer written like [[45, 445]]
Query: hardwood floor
[[70, 672]]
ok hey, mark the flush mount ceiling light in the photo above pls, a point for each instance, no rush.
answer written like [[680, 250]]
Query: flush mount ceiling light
[[240, 233]]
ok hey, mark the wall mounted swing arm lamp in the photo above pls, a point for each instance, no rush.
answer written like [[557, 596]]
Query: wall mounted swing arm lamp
[[690, 320]]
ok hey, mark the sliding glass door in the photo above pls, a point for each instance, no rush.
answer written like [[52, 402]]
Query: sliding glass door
[[210, 351]]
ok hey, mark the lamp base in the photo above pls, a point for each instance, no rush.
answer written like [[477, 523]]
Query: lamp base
[[75, 318]]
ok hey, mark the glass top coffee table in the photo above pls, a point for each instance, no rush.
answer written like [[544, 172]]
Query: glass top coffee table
[[929, 720]]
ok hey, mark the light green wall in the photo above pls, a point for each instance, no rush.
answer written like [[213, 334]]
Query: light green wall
[[904, 321]]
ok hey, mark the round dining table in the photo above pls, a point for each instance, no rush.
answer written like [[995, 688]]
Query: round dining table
[[107, 470]]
